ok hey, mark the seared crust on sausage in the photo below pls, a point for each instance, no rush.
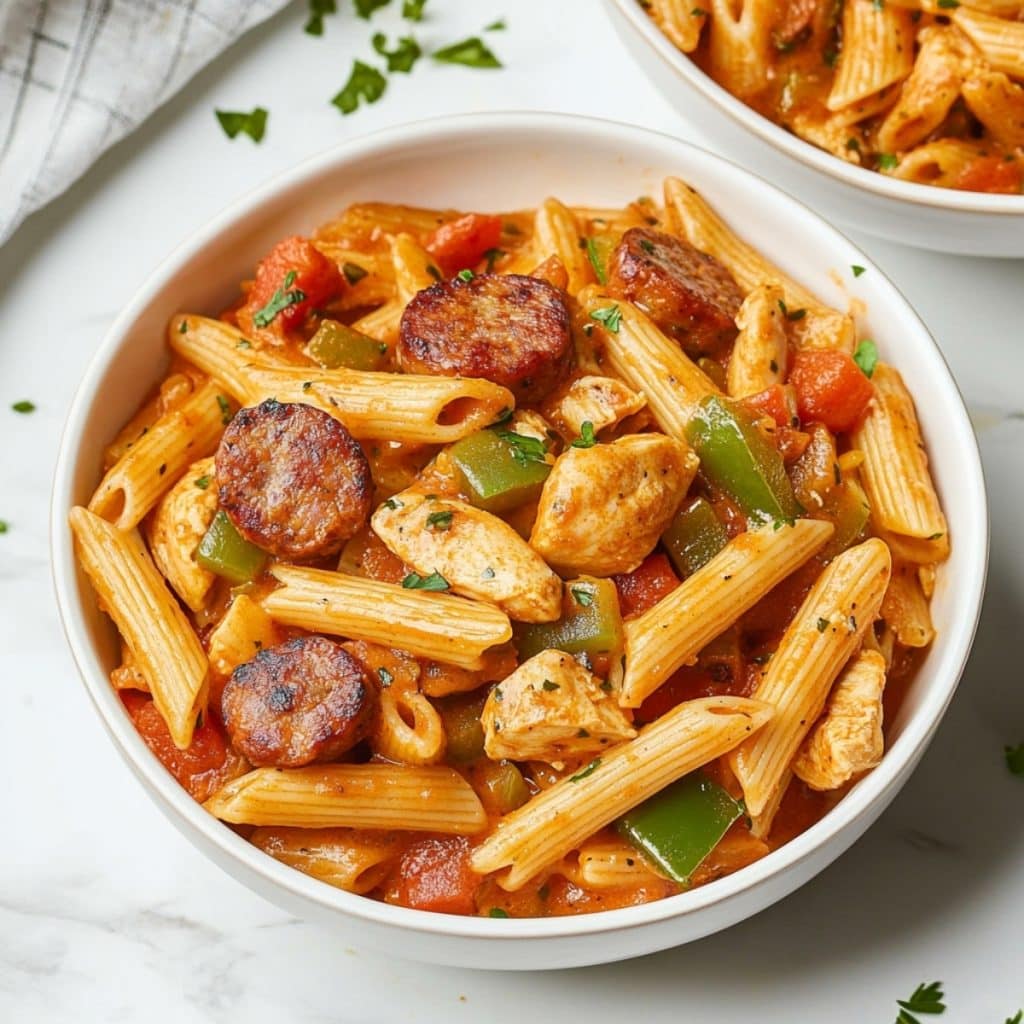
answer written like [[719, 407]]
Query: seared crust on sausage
[[686, 292], [509, 329], [293, 480], [303, 701]]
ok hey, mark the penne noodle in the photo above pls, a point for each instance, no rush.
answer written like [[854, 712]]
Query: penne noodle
[[397, 406], [680, 20], [739, 44], [152, 464], [905, 608], [163, 644], [414, 269], [555, 234], [1000, 41], [555, 821], [822, 637], [671, 634], [428, 625], [613, 864], [374, 796], [998, 104]]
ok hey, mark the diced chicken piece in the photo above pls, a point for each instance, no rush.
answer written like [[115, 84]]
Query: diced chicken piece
[[848, 738], [530, 424], [603, 509], [602, 401], [550, 709], [479, 555]]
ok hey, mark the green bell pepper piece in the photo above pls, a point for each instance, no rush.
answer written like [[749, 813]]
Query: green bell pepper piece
[[591, 622], [678, 827], [713, 369], [336, 345], [461, 718], [224, 551], [735, 458], [694, 537], [495, 473], [849, 510], [505, 786], [599, 252]]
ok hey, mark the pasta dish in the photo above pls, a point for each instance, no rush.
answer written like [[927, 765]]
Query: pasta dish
[[518, 565]]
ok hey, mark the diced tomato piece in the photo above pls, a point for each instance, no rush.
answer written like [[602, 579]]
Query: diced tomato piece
[[208, 762], [460, 244], [434, 874], [992, 174], [316, 277], [830, 388], [646, 585], [778, 401]]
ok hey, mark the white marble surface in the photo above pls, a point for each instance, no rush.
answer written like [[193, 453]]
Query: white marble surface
[[106, 914]]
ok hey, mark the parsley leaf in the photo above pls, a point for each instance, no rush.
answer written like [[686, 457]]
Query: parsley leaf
[[583, 596], [857, 269], [435, 581], [1016, 1018], [393, 503], [353, 272], [492, 256], [949, 5], [589, 770], [524, 449], [792, 314], [3, 526], [202, 482], [587, 438], [235, 122], [887, 161], [24, 406], [386, 678], [549, 685], [365, 83], [440, 520], [1015, 759], [609, 316], [284, 297], [500, 26], [364, 8], [317, 10], [405, 54], [497, 912], [465, 275], [472, 52], [225, 409], [412, 10], [926, 999], [866, 356]]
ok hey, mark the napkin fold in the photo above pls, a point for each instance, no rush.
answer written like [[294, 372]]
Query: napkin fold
[[78, 75]]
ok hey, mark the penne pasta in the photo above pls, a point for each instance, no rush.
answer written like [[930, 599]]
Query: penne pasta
[[707, 603], [555, 234], [373, 796], [826, 631], [613, 864], [680, 20], [556, 820], [413, 267], [998, 104], [152, 624], [739, 44], [1000, 41], [437, 626], [905, 608]]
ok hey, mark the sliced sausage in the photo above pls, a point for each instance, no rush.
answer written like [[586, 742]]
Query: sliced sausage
[[293, 480], [686, 292], [509, 329], [303, 701]]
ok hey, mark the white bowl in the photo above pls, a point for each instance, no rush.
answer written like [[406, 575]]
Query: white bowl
[[495, 162], [946, 220]]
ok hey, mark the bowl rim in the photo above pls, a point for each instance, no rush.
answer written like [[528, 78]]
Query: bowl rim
[[805, 152], [190, 817]]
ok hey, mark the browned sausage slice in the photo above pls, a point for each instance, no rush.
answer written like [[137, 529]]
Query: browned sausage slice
[[293, 480], [509, 329], [305, 700], [686, 292]]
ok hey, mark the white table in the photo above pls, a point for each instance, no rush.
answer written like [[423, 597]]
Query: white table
[[107, 914]]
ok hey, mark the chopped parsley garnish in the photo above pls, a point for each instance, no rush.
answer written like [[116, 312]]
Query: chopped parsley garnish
[[524, 449], [926, 999], [244, 343], [406, 52], [587, 438], [24, 406], [498, 695], [497, 912], [698, 12], [225, 409], [949, 5], [583, 596], [364, 83], [492, 256], [500, 26], [364, 8], [465, 275], [306, 385], [1016, 1018], [583, 734], [610, 317], [393, 503], [183, 327], [1015, 759], [353, 272], [857, 269], [878, 5], [202, 482], [435, 581], [549, 686], [853, 144], [3, 526], [472, 52], [866, 356], [792, 314], [589, 770], [440, 520], [412, 10], [317, 10], [386, 678], [282, 299], [822, 625], [887, 161], [237, 122], [487, 574]]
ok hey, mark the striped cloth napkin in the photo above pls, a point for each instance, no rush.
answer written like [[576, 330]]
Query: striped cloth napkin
[[78, 75]]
